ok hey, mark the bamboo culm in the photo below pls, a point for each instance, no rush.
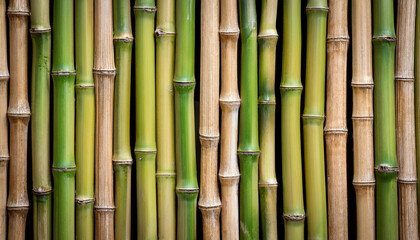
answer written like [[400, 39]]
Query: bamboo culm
[[417, 98]]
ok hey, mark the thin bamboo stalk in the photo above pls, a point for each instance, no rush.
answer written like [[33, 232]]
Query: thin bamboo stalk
[[165, 132], [335, 130], [405, 120], [229, 103], [386, 166], [362, 116], [19, 114], [103, 74], [291, 91], [417, 98], [313, 119], [121, 158]]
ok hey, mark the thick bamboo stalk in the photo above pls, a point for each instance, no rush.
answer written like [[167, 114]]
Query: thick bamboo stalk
[[165, 132], [85, 120], [229, 103], [336, 119], [184, 84], [103, 74], [121, 157], [291, 91], [248, 149], [209, 202], [19, 114], [362, 116], [386, 166], [405, 120], [313, 119]]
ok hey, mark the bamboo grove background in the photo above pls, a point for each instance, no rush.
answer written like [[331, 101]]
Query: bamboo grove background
[[136, 139]]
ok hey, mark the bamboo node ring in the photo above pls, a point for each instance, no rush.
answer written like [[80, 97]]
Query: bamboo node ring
[[110, 72], [233, 32], [122, 162], [383, 168], [64, 169], [384, 38], [294, 217], [364, 183], [407, 181], [123, 39], [4, 158], [146, 9], [63, 73], [104, 208], [84, 85], [165, 174], [322, 9], [338, 39], [337, 131], [187, 190], [265, 36], [84, 201], [313, 117], [160, 33], [18, 12], [248, 152], [404, 79], [41, 191], [267, 102], [39, 30]]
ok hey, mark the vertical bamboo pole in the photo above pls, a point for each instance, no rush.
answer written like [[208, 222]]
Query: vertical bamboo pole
[[313, 119], [19, 114], [104, 74], [362, 116], [417, 99], [165, 132], [229, 103], [405, 120], [335, 130], [121, 157]]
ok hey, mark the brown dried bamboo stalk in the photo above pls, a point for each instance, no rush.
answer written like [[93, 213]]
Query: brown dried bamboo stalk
[[209, 202], [229, 103], [362, 84], [104, 74], [405, 120], [336, 119]]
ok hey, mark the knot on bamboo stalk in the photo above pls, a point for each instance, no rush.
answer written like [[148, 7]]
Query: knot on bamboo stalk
[[294, 217], [383, 168]]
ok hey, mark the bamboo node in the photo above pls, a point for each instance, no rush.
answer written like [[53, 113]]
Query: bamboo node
[[267, 185], [165, 174], [283, 87], [63, 169], [146, 9], [362, 118], [63, 73], [84, 85], [337, 131], [267, 102], [294, 217], [407, 181], [4, 158], [210, 207], [322, 9], [19, 113], [362, 85], [248, 152], [4, 78], [123, 39], [363, 183], [267, 36], [229, 177], [384, 38], [210, 139], [187, 190], [404, 78], [84, 201], [160, 33], [18, 12], [122, 162], [233, 32], [41, 191], [144, 151], [104, 208], [383, 168], [313, 117], [15, 208], [39, 30], [338, 39], [110, 72]]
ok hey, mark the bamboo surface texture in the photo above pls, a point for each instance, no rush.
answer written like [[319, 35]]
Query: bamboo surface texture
[[335, 130], [362, 117], [19, 114], [229, 104], [417, 98]]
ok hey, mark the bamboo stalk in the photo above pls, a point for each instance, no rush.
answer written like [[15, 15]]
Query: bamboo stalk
[[362, 116], [103, 74], [121, 158], [336, 119], [184, 84], [386, 166], [229, 103], [405, 120], [85, 120], [291, 91], [313, 119], [40, 102], [248, 149], [165, 133], [417, 98], [19, 114]]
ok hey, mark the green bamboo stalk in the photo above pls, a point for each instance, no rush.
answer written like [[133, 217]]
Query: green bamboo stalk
[[165, 174], [386, 166], [145, 148], [122, 159], [85, 119], [291, 91], [184, 84], [313, 119], [64, 166], [248, 148], [267, 40], [40, 102]]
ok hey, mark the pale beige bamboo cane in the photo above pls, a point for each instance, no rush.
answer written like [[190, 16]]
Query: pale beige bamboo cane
[[405, 120], [336, 119], [209, 202], [229, 103], [362, 84], [104, 74]]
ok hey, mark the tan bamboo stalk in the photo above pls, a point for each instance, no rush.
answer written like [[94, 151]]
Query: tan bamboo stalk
[[362, 84], [229, 103], [104, 74], [336, 119], [405, 120], [209, 202]]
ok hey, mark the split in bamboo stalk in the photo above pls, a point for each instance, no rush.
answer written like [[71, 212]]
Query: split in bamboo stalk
[[405, 120], [362, 116], [85, 120], [313, 119], [145, 148], [19, 114], [248, 149], [291, 91], [121, 157], [103, 75], [384, 111], [184, 84], [229, 103], [165, 132], [336, 119]]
